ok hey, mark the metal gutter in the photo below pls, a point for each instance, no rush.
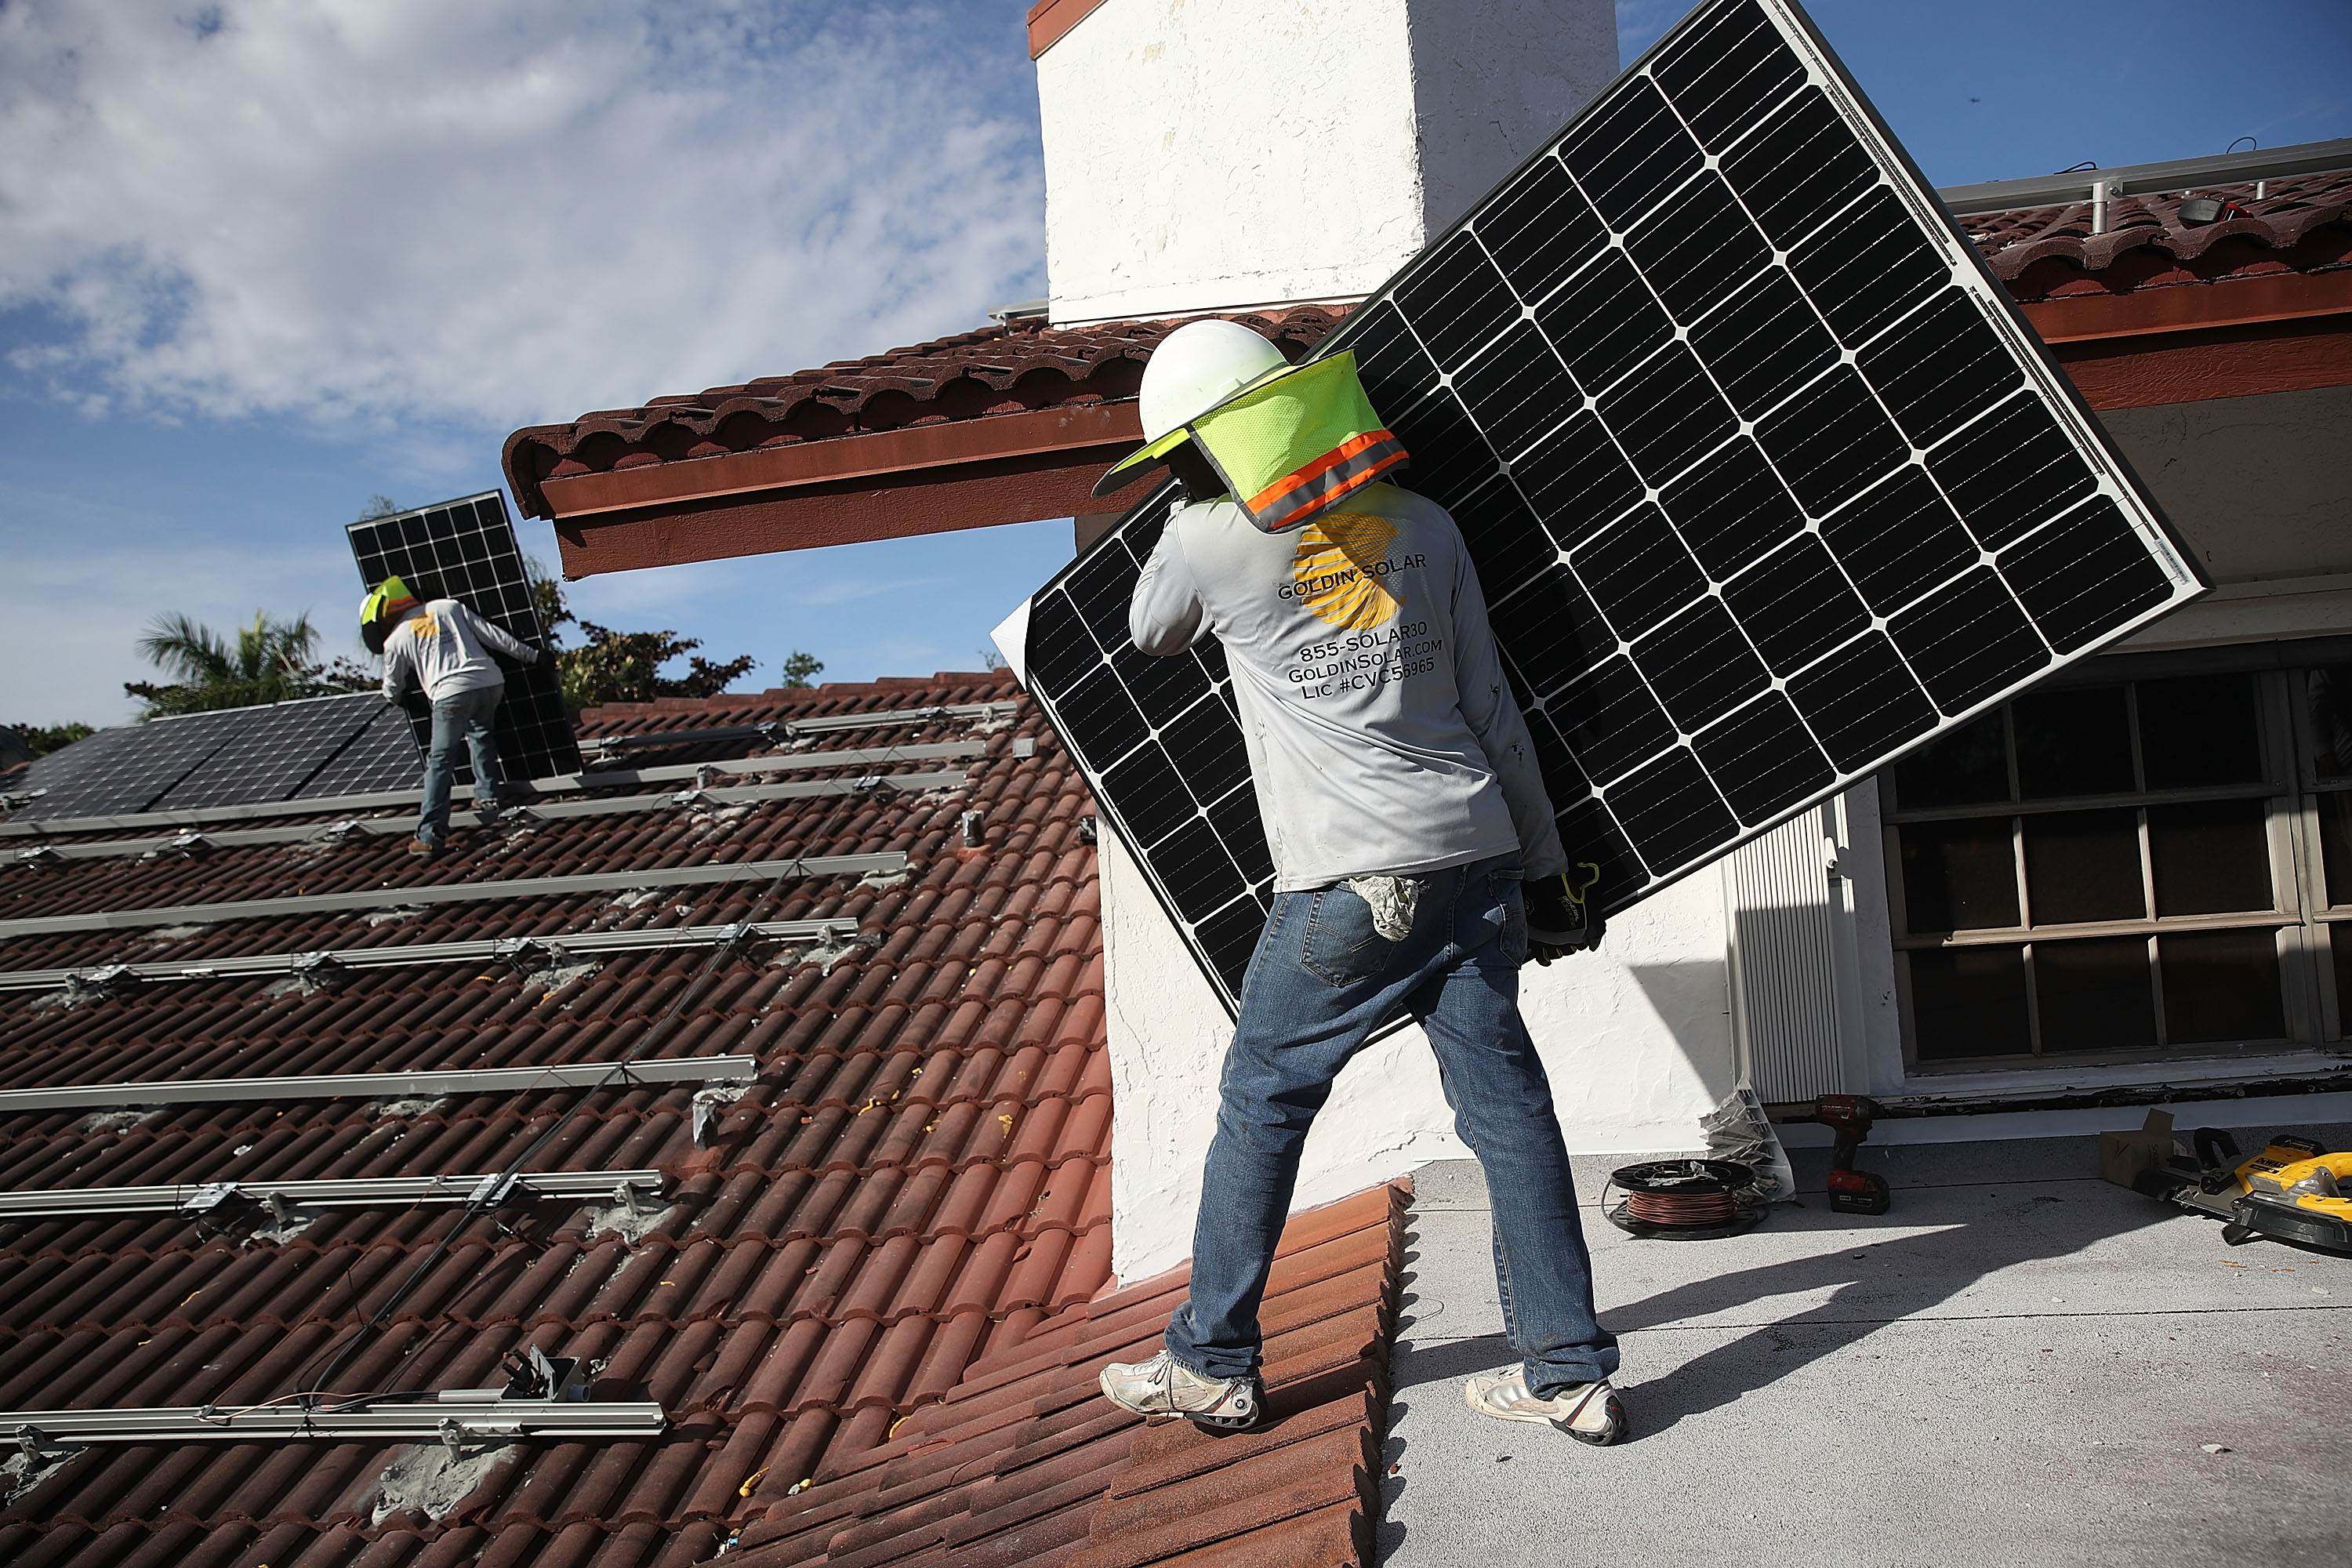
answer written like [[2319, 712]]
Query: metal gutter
[[355, 1192], [385, 1085], [747, 871], [529, 952]]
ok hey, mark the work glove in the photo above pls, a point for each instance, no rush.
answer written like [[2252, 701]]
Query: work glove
[[1562, 915]]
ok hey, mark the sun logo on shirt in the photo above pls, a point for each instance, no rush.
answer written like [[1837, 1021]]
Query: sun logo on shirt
[[1336, 564]]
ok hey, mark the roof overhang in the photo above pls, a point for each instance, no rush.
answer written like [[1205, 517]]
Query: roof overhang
[[2280, 331], [887, 484]]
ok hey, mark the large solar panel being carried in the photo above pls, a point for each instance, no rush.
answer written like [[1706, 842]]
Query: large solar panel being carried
[[1766, 481], [466, 549]]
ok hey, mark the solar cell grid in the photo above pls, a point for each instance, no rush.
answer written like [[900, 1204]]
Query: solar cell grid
[[272, 752], [1764, 481], [466, 549]]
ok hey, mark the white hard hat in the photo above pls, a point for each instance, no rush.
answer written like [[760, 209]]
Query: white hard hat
[[1198, 366]]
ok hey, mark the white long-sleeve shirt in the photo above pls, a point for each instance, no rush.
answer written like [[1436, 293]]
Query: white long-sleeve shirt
[[1382, 737], [448, 648]]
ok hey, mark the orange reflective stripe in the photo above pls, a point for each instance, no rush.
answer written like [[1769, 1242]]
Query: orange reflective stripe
[[1355, 462], [1338, 455], [1342, 487]]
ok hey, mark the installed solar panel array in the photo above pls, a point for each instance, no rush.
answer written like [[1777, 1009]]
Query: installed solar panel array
[[1765, 482], [466, 549], [231, 756]]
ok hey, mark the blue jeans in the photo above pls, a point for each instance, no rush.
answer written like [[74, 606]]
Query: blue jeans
[[1323, 979], [466, 716]]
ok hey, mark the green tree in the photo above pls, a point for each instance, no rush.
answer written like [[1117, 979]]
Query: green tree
[[611, 666], [40, 740], [269, 660]]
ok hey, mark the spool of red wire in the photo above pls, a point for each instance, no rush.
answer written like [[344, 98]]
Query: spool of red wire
[[1686, 1199]]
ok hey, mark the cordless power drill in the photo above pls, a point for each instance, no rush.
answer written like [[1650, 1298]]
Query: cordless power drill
[[1849, 1116]]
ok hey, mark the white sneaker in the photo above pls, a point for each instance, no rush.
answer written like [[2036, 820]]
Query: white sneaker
[[1164, 1386], [1590, 1413]]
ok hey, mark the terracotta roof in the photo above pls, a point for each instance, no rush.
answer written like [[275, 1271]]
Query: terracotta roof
[[1025, 1464], [2300, 225], [918, 1180], [1015, 367]]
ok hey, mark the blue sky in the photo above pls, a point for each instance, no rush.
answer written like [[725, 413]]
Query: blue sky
[[261, 261]]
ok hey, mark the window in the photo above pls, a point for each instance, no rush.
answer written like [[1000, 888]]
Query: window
[[2117, 869]]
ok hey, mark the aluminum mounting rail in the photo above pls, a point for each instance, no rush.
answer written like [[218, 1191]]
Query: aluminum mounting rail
[[557, 783], [354, 1192], [750, 872], [519, 950], [777, 731], [457, 1415], [2096, 186], [382, 1085], [549, 811]]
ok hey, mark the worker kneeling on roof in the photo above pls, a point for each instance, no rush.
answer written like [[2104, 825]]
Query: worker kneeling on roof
[[445, 647], [1417, 863]]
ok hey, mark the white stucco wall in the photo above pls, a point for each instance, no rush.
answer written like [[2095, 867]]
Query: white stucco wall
[[1218, 154], [1637, 1041]]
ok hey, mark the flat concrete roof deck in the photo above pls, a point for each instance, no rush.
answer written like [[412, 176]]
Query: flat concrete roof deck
[[2020, 1363]]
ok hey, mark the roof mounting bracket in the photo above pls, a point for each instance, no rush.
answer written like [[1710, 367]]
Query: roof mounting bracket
[[708, 1102], [342, 831], [40, 855], [317, 971], [689, 799], [527, 955], [187, 844], [632, 1193], [33, 1443], [535, 1374], [106, 980], [453, 1437]]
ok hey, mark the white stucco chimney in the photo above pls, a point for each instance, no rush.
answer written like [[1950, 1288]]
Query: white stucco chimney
[[1233, 154]]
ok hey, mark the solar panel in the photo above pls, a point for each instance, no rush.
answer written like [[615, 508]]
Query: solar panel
[[133, 768], [381, 757], [1765, 482], [466, 549], [274, 751]]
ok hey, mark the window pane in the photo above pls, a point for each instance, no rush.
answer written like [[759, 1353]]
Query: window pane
[[2327, 707], [2334, 809], [2220, 985], [1968, 1002], [1958, 876], [2073, 742], [1966, 767], [2340, 945], [2200, 730], [2084, 866], [2093, 995], [2209, 857]]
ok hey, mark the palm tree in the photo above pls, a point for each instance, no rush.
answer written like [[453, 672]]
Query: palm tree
[[268, 662]]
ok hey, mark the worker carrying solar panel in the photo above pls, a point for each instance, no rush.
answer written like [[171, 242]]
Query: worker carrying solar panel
[[446, 649], [1417, 863]]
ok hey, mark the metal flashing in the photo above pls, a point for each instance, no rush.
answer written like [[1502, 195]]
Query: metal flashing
[[524, 951], [729, 1070], [457, 893]]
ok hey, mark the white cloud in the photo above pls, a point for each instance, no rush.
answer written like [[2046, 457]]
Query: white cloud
[[370, 215], [75, 613]]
